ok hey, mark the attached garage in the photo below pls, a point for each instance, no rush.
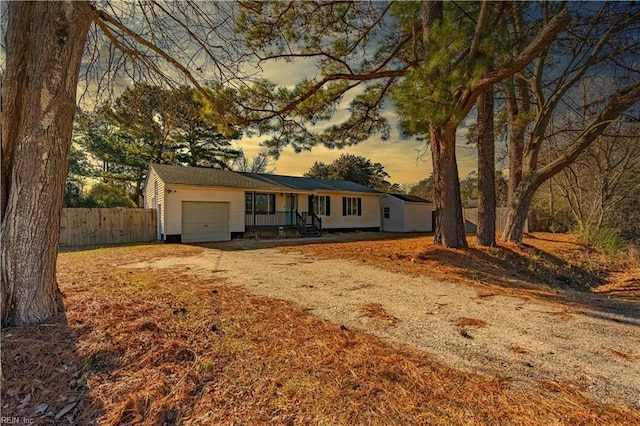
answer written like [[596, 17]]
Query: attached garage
[[406, 213], [204, 222], [197, 204]]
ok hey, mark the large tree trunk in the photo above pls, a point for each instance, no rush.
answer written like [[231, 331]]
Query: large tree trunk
[[534, 176], [449, 226], [519, 207], [518, 111], [432, 13], [486, 233], [45, 43]]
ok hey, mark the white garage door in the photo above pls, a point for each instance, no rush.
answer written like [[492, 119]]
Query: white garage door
[[205, 222]]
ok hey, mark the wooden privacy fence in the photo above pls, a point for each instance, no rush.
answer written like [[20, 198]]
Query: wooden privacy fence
[[82, 226], [471, 220]]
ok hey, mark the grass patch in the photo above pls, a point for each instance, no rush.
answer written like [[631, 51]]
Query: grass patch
[[607, 240]]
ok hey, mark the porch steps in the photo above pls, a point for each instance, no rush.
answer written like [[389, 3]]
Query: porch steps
[[312, 231]]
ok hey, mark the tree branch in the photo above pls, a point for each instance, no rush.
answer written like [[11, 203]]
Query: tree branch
[[333, 77], [533, 49], [483, 20], [619, 103], [107, 19]]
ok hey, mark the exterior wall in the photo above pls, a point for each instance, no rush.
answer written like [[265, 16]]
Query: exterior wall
[[154, 192], [176, 194], [417, 217], [370, 217], [395, 222], [284, 212], [303, 201], [171, 197]]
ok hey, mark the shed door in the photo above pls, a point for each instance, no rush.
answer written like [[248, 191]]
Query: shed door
[[205, 222]]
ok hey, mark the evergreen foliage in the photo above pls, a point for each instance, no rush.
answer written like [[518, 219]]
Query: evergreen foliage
[[353, 168], [150, 124]]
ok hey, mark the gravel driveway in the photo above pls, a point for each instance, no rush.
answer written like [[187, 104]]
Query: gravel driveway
[[505, 337]]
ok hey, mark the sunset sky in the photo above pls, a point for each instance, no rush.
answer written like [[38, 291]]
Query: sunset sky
[[399, 157]]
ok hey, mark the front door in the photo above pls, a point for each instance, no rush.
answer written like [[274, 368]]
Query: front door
[[292, 207], [311, 199]]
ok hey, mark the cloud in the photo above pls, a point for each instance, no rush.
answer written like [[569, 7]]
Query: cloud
[[288, 74]]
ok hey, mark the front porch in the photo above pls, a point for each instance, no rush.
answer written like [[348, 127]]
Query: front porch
[[271, 220], [306, 224], [261, 213]]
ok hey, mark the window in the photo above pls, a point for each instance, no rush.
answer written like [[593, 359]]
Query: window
[[248, 202], [351, 206], [265, 203], [321, 205], [386, 212]]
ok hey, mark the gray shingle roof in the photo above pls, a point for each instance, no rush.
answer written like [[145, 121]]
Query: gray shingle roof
[[312, 184], [201, 176], [410, 198]]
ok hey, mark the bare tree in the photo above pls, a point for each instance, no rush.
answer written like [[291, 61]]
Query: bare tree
[[44, 46], [604, 42], [260, 163], [602, 178]]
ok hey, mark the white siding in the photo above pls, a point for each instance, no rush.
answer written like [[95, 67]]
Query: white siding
[[151, 199], [395, 222], [176, 194], [370, 217], [417, 217], [154, 192], [406, 216], [281, 201]]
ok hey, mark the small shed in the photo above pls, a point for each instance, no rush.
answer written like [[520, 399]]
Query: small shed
[[406, 213]]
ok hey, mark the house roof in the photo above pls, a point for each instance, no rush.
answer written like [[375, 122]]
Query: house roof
[[410, 198], [313, 184], [201, 176]]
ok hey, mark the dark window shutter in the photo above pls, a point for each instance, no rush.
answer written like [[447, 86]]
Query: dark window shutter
[[344, 206], [272, 203], [327, 206], [359, 206]]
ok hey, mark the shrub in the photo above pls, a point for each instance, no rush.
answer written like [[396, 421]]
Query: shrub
[[106, 195], [609, 241]]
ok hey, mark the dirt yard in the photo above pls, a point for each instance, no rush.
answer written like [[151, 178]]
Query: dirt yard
[[517, 335], [351, 329]]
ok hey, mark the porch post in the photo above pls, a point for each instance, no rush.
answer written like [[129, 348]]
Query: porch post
[[291, 208]]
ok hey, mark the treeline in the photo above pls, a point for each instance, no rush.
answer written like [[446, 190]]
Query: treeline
[[598, 195], [114, 144], [356, 169]]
